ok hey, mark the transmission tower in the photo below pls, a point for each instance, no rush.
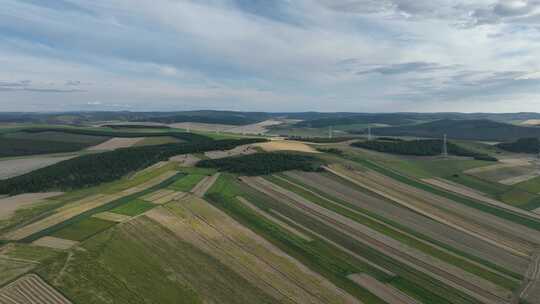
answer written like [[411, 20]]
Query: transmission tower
[[444, 147]]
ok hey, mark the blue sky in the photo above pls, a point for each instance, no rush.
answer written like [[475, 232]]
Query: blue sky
[[282, 55]]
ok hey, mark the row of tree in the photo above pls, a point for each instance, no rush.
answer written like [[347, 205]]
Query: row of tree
[[94, 169]]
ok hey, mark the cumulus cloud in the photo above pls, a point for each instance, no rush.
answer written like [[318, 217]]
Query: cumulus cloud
[[347, 55]]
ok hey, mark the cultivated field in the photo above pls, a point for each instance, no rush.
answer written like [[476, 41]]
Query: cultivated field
[[285, 145], [116, 143], [31, 289], [410, 256], [460, 240], [252, 257], [18, 166], [9, 205], [54, 242], [240, 150], [385, 292]]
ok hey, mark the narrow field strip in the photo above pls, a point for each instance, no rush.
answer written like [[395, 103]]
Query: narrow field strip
[[31, 289], [54, 242], [150, 197], [169, 197], [355, 196], [388, 293], [427, 247], [113, 217], [275, 220], [260, 262], [392, 192], [471, 193], [202, 187], [453, 276]]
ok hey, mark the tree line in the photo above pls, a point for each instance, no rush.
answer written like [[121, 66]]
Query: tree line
[[262, 163], [94, 169]]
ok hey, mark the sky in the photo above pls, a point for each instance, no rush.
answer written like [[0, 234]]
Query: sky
[[270, 55]]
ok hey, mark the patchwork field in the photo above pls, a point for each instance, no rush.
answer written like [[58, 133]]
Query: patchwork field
[[31, 289]]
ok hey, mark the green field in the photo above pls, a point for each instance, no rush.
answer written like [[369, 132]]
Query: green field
[[134, 207], [83, 229], [186, 183]]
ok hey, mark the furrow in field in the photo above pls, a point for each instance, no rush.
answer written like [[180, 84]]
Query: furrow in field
[[453, 276], [408, 218], [441, 210]]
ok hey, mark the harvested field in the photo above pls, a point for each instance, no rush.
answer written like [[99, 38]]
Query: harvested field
[[451, 275], [155, 166], [204, 127], [150, 197], [9, 205], [476, 195], [285, 145], [113, 217], [531, 122], [257, 128], [203, 186], [520, 178], [54, 242], [240, 150], [62, 214], [31, 289], [272, 218], [185, 160], [506, 235], [157, 140], [116, 143], [502, 163], [249, 255], [386, 292], [19, 166], [435, 230]]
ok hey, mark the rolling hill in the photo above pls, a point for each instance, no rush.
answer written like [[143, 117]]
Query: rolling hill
[[478, 129]]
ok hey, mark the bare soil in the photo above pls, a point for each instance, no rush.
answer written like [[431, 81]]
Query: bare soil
[[54, 242], [286, 145], [116, 143], [18, 166]]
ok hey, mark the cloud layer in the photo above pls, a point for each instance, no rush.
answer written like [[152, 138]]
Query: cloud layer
[[329, 55]]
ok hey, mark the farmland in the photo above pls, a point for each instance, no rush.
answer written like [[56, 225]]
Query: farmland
[[282, 221]]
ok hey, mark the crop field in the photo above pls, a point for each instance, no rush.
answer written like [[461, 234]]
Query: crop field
[[514, 238], [17, 166], [83, 229], [133, 208], [157, 140], [186, 183], [215, 233], [116, 143], [285, 145], [31, 289], [410, 256]]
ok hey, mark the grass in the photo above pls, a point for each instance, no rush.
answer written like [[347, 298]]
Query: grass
[[398, 235], [27, 215], [321, 256], [133, 208], [186, 183], [83, 229], [145, 263]]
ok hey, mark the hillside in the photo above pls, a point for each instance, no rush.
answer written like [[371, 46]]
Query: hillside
[[522, 145], [482, 129]]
